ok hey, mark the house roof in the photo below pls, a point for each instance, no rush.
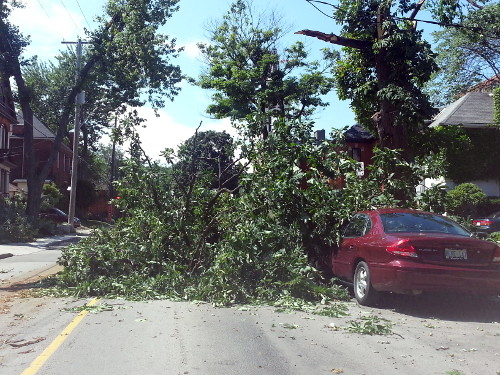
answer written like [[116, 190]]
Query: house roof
[[40, 131], [487, 85], [473, 110], [358, 134]]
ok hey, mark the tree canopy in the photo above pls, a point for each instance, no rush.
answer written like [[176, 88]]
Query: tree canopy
[[466, 55], [210, 153], [127, 51], [253, 77], [386, 62]]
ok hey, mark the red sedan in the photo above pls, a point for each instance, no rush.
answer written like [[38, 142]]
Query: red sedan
[[408, 251]]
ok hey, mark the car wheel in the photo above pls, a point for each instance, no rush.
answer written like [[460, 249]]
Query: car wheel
[[363, 290]]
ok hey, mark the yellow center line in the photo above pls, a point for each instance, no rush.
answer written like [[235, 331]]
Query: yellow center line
[[54, 345]]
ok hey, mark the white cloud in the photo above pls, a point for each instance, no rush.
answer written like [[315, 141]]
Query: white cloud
[[191, 50], [161, 132], [164, 131], [47, 24], [220, 126]]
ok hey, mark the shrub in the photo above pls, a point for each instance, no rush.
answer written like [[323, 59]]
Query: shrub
[[51, 196], [14, 225], [491, 207], [466, 200], [495, 236]]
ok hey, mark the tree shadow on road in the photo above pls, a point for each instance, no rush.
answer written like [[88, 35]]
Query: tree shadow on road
[[29, 285], [445, 307]]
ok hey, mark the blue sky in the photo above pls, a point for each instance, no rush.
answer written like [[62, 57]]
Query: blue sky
[[49, 22]]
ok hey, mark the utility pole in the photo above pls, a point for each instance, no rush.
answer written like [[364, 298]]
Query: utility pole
[[80, 99], [113, 162]]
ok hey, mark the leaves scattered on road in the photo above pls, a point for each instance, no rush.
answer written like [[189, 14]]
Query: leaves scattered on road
[[22, 342], [92, 309], [370, 325]]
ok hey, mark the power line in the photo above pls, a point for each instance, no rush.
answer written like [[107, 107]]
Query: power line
[[83, 14], [41, 6], [70, 16], [311, 2], [455, 25], [47, 14]]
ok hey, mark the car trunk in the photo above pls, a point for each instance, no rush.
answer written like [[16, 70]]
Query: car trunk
[[453, 250]]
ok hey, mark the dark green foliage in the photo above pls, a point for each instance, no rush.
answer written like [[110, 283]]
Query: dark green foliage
[[51, 196], [195, 241], [127, 59], [85, 194], [491, 207], [252, 75], [496, 107], [434, 199], [471, 154], [465, 200], [210, 153], [14, 226], [466, 55]]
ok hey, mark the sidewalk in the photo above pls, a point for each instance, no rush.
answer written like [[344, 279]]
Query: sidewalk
[[23, 248]]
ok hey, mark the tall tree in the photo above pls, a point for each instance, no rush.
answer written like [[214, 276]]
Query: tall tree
[[255, 81], [210, 153], [126, 47], [48, 82], [467, 55], [386, 62]]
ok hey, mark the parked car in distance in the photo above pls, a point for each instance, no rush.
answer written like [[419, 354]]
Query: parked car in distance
[[58, 216], [410, 252], [488, 224]]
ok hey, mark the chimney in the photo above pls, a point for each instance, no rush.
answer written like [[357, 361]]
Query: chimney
[[319, 135]]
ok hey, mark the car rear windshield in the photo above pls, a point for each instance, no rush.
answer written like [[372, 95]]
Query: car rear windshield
[[416, 223]]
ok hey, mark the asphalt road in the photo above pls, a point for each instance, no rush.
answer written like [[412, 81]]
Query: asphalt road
[[430, 335]]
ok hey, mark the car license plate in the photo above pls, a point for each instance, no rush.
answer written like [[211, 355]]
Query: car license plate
[[455, 254]]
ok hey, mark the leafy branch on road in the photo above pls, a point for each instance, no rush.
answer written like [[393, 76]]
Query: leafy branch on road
[[370, 325], [249, 220]]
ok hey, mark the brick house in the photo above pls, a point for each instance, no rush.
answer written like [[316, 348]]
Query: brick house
[[43, 139], [359, 143], [7, 118]]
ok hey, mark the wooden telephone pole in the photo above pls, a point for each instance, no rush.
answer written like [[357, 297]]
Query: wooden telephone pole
[[80, 100]]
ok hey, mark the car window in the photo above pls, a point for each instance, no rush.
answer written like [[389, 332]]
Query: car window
[[418, 222], [358, 226]]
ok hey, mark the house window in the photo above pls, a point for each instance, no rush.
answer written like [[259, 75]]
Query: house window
[[356, 153], [4, 180], [3, 137]]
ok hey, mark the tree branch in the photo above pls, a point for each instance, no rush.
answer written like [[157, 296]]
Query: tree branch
[[335, 39], [415, 12]]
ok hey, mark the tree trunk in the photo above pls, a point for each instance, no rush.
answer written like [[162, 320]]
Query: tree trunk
[[34, 182], [391, 134]]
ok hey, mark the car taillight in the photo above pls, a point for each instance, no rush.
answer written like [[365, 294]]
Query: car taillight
[[496, 255], [402, 248], [481, 222]]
